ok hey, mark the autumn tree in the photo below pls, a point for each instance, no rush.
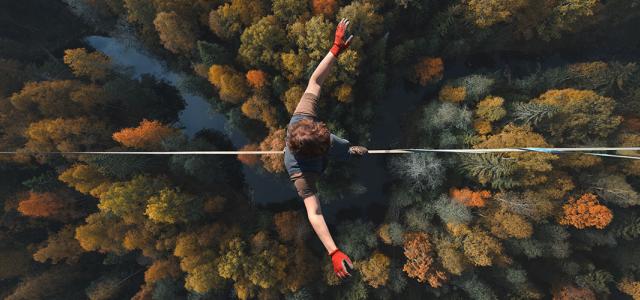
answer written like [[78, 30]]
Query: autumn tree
[[229, 19], [391, 233], [294, 65], [95, 65], [257, 79], [584, 212], [258, 108], [324, 7], [312, 37], [344, 93], [480, 248], [420, 262], [582, 115], [52, 205], [161, 269], [289, 10], [291, 226], [197, 251], [469, 197], [273, 142], [488, 110], [259, 43], [61, 246], [65, 135], [128, 199], [450, 255], [485, 13], [505, 225], [249, 159], [452, 94], [363, 19], [291, 97], [631, 288], [570, 292], [60, 98], [176, 34], [173, 206], [530, 20], [375, 270], [428, 70], [530, 167], [103, 232], [148, 135], [232, 86]]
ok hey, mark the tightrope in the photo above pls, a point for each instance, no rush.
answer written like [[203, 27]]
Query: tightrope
[[584, 150]]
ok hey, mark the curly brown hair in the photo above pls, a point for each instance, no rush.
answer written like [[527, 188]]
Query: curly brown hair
[[308, 138]]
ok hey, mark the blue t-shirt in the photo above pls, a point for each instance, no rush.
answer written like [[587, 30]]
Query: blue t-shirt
[[338, 150]]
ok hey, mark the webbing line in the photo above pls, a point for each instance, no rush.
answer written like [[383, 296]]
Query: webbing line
[[585, 150]]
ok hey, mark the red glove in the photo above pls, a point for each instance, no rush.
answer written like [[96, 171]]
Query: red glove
[[339, 267], [339, 43]]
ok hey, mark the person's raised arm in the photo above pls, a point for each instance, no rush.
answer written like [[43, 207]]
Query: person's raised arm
[[322, 70]]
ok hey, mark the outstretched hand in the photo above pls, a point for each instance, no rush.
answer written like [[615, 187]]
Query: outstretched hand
[[339, 43], [340, 262]]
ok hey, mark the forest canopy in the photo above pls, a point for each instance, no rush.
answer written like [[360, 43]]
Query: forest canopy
[[484, 74]]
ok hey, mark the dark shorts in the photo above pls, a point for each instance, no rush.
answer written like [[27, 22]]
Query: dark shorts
[[305, 183]]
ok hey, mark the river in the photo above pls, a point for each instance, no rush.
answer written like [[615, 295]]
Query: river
[[266, 188], [197, 115]]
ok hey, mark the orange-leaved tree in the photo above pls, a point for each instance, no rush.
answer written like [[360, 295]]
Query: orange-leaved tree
[[148, 135], [420, 263], [470, 198], [325, 7], [259, 108], [257, 78], [427, 70], [249, 159], [274, 141], [585, 211], [570, 292], [46, 205]]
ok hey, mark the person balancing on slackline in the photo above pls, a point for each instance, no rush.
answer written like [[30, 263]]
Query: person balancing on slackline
[[309, 146]]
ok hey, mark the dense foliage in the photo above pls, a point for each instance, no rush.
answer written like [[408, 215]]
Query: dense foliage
[[526, 225]]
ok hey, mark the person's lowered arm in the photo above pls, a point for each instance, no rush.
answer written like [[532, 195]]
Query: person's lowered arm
[[338, 258], [322, 70]]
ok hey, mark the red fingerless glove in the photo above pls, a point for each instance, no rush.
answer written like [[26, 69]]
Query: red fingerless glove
[[340, 261], [339, 43]]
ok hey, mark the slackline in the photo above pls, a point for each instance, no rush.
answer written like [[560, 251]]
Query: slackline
[[584, 150]]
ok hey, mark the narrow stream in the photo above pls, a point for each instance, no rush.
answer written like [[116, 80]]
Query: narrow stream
[[197, 115]]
